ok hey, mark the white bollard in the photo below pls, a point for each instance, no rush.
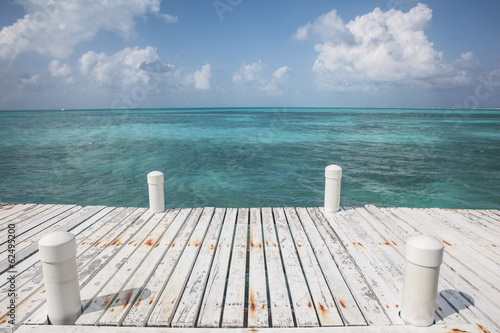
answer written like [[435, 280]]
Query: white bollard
[[424, 256], [60, 275], [333, 175], [156, 192]]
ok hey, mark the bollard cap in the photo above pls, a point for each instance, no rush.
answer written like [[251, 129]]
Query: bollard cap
[[424, 250], [333, 171], [57, 246], [155, 177]]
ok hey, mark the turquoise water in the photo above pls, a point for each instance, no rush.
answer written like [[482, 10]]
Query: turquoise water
[[252, 157]]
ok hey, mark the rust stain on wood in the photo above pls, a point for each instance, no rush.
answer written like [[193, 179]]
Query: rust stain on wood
[[446, 243], [457, 330], [151, 300], [342, 303], [482, 328], [4, 320], [393, 242], [106, 302], [274, 244], [309, 304], [116, 242], [323, 311], [267, 243], [149, 242], [173, 244], [128, 297], [112, 310], [251, 300]]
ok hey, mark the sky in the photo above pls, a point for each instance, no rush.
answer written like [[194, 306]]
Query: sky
[[85, 54]]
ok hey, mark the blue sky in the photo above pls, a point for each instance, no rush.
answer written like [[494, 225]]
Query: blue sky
[[242, 53]]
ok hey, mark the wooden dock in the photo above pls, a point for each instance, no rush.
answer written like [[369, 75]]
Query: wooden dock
[[246, 270]]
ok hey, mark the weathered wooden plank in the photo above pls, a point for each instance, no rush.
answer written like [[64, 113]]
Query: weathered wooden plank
[[35, 232], [476, 257], [138, 315], [234, 305], [361, 289], [450, 280], [28, 230], [302, 302], [211, 309], [257, 287], [32, 293], [27, 216], [139, 248], [91, 269], [395, 238], [167, 302], [89, 215], [479, 277], [8, 212], [386, 284], [189, 304], [168, 228], [278, 292], [323, 301], [477, 232], [353, 329], [343, 298]]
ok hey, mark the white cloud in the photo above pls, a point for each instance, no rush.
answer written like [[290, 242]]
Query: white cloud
[[377, 49], [33, 80], [168, 18], [281, 73], [249, 73], [56, 69], [257, 76], [54, 28], [120, 69], [202, 78]]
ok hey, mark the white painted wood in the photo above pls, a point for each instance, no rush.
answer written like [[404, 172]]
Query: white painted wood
[[167, 302], [27, 231], [33, 293], [211, 309], [281, 313], [234, 305], [444, 312], [323, 301], [139, 247], [468, 276], [138, 315], [168, 228], [84, 217], [302, 302], [450, 277], [343, 298], [386, 285], [91, 275], [28, 216], [365, 297], [189, 305], [257, 287], [8, 212], [353, 329], [473, 272]]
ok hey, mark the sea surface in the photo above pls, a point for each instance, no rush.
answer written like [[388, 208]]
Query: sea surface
[[252, 157]]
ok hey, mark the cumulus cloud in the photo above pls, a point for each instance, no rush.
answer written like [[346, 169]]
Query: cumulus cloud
[[257, 76], [54, 28], [377, 49], [32, 80], [122, 68], [202, 78]]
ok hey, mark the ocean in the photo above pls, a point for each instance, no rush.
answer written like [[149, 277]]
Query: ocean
[[252, 157]]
